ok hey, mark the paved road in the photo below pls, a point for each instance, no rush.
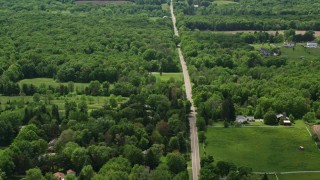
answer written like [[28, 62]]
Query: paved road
[[195, 157]]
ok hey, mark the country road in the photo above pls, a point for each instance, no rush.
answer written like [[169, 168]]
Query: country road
[[195, 157]]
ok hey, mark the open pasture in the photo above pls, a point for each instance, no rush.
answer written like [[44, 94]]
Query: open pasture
[[264, 149]]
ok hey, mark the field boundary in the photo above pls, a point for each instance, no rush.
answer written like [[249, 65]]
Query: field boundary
[[254, 127], [288, 172]]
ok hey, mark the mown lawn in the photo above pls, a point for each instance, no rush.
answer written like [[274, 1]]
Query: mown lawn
[[264, 149], [295, 53], [299, 51], [300, 176], [167, 76]]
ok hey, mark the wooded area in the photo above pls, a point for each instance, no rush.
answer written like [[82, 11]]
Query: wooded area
[[249, 15], [105, 109], [111, 49]]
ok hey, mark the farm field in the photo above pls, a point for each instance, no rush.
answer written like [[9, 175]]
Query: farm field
[[264, 149]]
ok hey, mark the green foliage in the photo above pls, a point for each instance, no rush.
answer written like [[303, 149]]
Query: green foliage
[[202, 137], [86, 173], [228, 110], [176, 163], [309, 117], [6, 164], [139, 173], [161, 173], [270, 118], [2, 175], [152, 159], [34, 173], [118, 164], [133, 154], [250, 15], [201, 124]]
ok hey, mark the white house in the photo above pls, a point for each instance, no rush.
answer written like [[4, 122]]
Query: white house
[[312, 45], [288, 44]]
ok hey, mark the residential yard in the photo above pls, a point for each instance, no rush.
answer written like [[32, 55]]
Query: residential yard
[[300, 51], [264, 149], [296, 53], [167, 76]]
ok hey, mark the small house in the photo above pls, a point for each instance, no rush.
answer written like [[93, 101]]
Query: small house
[[52, 142], [195, 6], [250, 118], [311, 45], [288, 44], [241, 119], [287, 122], [279, 116], [72, 172], [301, 148], [59, 175]]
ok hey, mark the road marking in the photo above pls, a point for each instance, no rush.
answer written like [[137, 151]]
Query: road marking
[[308, 131]]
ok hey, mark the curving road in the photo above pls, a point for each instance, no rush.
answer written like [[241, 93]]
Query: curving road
[[195, 157]]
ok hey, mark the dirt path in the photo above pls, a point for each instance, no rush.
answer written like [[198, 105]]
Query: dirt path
[[195, 157]]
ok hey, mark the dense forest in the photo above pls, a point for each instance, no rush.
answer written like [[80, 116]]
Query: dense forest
[[82, 43], [111, 53], [113, 49], [249, 15]]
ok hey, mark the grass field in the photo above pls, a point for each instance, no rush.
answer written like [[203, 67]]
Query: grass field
[[300, 176], [93, 102], [167, 76], [50, 82], [264, 149], [223, 2]]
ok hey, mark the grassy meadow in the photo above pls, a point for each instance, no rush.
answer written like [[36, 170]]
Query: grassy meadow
[[223, 2], [300, 176], [51, 82], [167, 76], [264, 149], [94, 102]]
